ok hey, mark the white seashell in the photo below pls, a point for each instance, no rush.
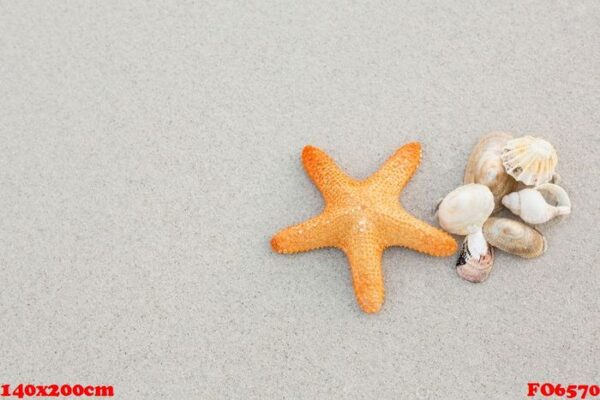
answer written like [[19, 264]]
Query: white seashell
[[474, 269], [555, 195], [478, 246], [529, 160], [485, 166], [514, 237], [532, 207], [464, 210]]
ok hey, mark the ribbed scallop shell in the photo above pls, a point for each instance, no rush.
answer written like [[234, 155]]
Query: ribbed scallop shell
[[485, 166], [472, 269], [514, 237], [529, 160]]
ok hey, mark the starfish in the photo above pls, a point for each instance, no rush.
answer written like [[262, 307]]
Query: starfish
[[362, 218]]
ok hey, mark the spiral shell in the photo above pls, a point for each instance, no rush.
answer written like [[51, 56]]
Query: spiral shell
[[532, 204], [555, 195], [514, 237], [485, 166], [529, 160], [474, 269]]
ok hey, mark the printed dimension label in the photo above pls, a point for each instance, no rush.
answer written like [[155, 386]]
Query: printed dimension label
[[28, 390], [571, 391]]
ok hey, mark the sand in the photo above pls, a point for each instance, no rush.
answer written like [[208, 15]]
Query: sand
[[149, 151]]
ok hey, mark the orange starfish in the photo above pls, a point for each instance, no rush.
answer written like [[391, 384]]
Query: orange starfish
[[362, 218]]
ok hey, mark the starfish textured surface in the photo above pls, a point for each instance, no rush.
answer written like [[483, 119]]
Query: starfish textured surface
[[362, 218]]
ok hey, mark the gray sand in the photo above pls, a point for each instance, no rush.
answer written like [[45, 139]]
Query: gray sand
[[148, 153]]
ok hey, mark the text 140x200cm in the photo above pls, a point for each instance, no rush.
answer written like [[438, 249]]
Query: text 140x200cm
[[29, 390]]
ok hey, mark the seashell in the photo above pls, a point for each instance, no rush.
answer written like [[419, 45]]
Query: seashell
[[474, 269], [531, 204], [554, 195], [465, 209], [463, 212], [529, 160], [514, 237], [478, 246], [485, 166]]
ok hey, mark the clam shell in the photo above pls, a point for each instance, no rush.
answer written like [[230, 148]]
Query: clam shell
[[485, 166], [464, 210], [529, 160], [514, 237], [472, 269]]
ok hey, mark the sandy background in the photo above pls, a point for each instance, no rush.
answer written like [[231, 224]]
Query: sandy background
[[149, 151]]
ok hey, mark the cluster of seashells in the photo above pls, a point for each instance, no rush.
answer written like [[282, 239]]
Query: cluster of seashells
[[502, 171]]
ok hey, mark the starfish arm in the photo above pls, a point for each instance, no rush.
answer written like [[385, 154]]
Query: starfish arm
[[308, 235], [395, 173], [324, 172], [407, 231], [364, 256]]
